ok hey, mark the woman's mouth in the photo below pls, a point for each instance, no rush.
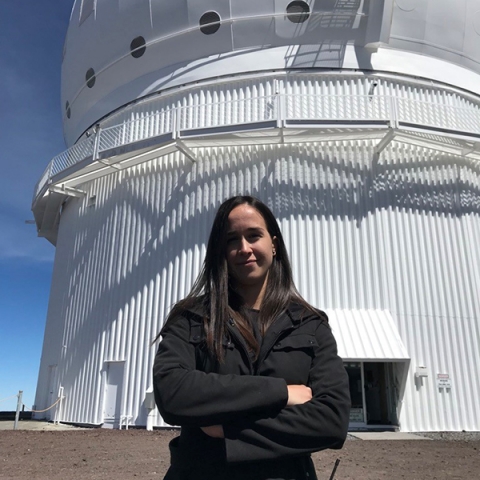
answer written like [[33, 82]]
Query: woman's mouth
[[248, 262]]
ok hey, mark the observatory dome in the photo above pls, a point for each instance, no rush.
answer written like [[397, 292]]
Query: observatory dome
[[356, 121], [118, 51]]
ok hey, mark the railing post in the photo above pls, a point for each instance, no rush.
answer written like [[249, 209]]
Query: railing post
[[50, 168], [17, 413], [48, 180], [393, 112], [96, 141], [280, 110], [174, 123], [178, 121], [58, 410]]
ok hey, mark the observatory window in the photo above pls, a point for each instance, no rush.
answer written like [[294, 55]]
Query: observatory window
[[92, 201], [298, 11], [88, 6], [68, 111], [209, 23], [90, 77], [137, 47]]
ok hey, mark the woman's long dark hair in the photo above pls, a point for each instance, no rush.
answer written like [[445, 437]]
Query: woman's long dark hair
[[215, 296]]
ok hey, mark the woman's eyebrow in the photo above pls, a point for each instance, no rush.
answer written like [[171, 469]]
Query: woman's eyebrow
[[250, 230]]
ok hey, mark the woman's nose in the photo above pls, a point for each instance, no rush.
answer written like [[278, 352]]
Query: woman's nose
[[244, 246]]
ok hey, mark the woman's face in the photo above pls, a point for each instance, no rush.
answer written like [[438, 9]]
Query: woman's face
[[250, 248]]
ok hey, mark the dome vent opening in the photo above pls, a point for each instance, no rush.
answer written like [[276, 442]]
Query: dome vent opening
[[138, 47], [298, 11], [209, 23], [68, 110], [90, 77]]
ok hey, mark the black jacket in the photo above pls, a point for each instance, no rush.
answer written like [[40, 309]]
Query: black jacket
[[264, 439]]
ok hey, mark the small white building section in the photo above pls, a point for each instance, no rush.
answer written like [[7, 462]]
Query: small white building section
[[357, 121]]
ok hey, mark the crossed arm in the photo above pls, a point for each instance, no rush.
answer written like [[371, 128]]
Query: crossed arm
[[260, 417], [297, 395]]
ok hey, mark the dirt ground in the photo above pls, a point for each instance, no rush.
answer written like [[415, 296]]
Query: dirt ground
[[113, 454]]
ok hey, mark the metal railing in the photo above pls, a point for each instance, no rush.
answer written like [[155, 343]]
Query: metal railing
[[339, 107], [281, 108]]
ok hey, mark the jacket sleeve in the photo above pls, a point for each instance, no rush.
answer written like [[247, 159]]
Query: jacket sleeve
[[189, 397], [316, 425]]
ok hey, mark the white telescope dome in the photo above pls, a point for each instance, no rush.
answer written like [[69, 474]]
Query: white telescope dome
[[117, 51], [357, 121]]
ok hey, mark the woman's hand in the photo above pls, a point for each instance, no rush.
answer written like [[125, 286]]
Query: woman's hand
[[298, 394], [214, 431]]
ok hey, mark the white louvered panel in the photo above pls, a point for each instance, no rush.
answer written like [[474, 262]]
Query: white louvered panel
[[356, 242], [366, 335], [433, 339], [198, 102]]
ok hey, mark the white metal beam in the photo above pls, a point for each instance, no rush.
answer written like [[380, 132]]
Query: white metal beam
[[185, 150], [64, 190], [472, 148], [385, 141], [109, 164], [122, 161], [445, 146]]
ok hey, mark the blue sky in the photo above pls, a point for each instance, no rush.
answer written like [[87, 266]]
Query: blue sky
[[31, 38]]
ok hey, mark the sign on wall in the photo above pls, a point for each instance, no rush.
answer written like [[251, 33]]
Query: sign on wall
[[443, 380], [356, 415]]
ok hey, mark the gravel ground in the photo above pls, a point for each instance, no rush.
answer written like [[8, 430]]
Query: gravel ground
[[453, 436], [113, 454]]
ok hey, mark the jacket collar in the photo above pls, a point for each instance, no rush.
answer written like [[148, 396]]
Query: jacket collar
[[291, 317], [298, 313]]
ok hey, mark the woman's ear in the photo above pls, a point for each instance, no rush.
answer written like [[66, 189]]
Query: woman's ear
[[274, 245]]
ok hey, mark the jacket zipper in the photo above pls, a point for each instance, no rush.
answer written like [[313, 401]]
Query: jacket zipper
[[273, 340], [241, 342], [265, 351]]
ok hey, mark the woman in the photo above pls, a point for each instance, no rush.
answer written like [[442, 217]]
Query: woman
[[246, 366]]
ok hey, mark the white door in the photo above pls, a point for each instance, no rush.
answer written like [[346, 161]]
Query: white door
[[113, 395]]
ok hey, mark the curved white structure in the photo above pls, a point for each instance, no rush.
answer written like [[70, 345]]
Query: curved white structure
[[356, 121]]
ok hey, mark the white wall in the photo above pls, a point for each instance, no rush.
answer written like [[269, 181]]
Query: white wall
[[401, 238]]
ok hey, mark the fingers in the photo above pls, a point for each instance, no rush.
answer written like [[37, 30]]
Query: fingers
[[214, 431], [298, 394]]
